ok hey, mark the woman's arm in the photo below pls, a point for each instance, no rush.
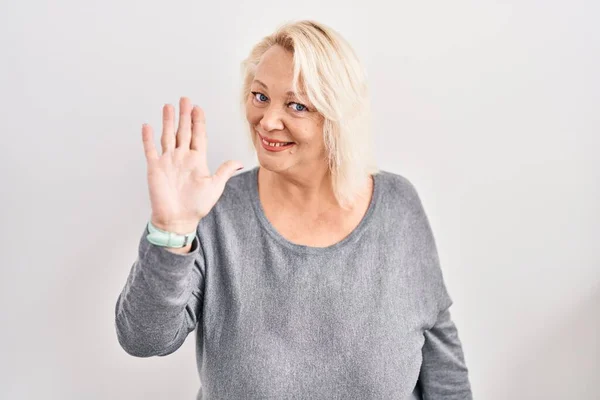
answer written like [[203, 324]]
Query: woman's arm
[[161, 302], [444, 374]]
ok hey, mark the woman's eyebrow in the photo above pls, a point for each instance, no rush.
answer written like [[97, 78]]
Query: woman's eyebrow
[[289, 92]]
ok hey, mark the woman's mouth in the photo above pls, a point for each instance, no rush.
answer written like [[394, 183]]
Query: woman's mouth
[[279, 146]]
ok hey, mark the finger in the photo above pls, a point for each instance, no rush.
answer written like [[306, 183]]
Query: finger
[[198, 130], [148, 140], [226, 171], [167, 139], [184, 131]]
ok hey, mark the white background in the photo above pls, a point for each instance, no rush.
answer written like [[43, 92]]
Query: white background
[[490, 108]]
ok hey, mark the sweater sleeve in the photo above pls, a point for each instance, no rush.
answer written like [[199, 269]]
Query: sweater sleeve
[[161, 302], [443, 374]]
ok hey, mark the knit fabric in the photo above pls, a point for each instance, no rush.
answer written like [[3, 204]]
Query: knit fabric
[[366, 318]]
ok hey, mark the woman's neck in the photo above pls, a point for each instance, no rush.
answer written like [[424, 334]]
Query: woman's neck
[[310, 192]]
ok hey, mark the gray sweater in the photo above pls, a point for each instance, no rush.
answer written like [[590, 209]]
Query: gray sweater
[[366, 318]]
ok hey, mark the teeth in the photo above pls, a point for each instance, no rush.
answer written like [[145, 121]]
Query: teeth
[[274, 144]]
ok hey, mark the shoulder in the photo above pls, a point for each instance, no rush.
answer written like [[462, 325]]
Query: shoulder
[[236, 196], [418, 239], [238, 186], [400, 190], [231, 213]]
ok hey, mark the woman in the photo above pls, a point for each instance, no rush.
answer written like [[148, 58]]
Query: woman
[[312, 276]]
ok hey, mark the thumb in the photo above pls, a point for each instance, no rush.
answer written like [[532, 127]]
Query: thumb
[[226, 171]]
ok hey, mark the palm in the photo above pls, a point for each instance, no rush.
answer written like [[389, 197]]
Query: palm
[[182, 189]]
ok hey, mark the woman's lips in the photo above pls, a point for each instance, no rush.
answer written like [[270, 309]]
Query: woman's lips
[[273, 148]]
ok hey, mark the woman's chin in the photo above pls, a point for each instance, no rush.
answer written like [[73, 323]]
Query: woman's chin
[[276, 163]]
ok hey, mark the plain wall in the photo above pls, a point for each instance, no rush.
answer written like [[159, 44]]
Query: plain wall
[[490, 108]]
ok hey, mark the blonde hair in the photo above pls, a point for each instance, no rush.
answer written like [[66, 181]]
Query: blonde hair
[[334, 81]]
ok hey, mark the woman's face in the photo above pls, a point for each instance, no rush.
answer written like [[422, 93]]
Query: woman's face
[[276, 115]]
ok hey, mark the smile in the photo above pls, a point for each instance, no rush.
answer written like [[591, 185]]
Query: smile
[[278, 146]]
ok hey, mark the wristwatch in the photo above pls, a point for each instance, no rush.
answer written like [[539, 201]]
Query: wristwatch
[[168, 239]]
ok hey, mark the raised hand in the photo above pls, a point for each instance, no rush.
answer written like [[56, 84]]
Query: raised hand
[[182, 189]]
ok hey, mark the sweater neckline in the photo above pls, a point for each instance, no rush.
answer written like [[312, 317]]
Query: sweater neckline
[[350, 238]]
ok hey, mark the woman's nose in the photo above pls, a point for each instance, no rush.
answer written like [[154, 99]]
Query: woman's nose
[[271, 119]]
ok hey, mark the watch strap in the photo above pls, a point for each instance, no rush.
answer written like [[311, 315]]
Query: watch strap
[[163, 238]]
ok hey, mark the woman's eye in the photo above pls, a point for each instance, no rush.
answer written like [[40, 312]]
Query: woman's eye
[[260, 97], [303, 107]]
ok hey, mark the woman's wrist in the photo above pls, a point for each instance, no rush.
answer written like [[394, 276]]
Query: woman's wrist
[[180, 228], [169, 236]]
